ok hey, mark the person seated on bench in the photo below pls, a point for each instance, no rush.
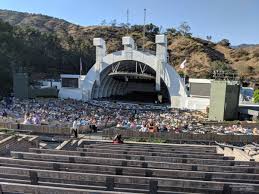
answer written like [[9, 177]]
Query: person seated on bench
[[152, 128], [117, 139], [4, 114], [93, 126], [27, 119]]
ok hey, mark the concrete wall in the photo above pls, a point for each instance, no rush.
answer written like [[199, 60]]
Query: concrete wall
[[21, 85], [217, 100], [50, 83], [200, 89], [196, 103], [232, 102], [66, 93], [43, 92], [224, 100]]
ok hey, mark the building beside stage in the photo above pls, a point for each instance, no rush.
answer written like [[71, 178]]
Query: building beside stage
[[71, 86]]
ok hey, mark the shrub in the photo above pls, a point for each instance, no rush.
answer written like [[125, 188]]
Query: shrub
[[240, 53], [219, 65], [224, 42], [256, 96], [181, 73], [256, 53], [251, 69]]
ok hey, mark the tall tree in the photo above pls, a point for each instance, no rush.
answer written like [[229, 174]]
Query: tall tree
[[103, 23], [185, 29], [113, 22]]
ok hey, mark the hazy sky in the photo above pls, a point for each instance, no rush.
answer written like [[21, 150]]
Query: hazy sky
[[236, 20]]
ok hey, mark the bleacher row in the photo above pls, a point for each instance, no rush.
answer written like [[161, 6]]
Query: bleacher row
[[18, 142], [101, 167]]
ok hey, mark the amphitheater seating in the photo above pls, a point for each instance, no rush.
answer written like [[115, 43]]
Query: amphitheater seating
[[18, 143], [101, 167]]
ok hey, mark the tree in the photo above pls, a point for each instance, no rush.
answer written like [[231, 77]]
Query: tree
[[137, 28], [103, 23], [219, 66], [224, 42], [113, 23], [71, 42], [151, 28], [123, 25], [256, 96], [181, 73], [209, 38], [172, 31], [185, 29]]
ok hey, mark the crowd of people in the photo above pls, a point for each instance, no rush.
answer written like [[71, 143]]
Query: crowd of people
[[52, 111], [144, 118]]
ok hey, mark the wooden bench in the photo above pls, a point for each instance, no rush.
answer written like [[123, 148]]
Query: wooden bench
[[121, 183], [193, 173]]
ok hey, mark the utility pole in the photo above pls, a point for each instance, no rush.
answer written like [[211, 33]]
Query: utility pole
[[127, 24], [144, 30]]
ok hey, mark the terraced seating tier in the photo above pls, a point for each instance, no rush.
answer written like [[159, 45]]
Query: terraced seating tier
[[127, 168], [117, 182]]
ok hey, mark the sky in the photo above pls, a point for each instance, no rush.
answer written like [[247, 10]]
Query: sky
[[236, 20]]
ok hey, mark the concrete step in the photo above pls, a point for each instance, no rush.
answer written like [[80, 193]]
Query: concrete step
[[133, 171], [143, 152], [56, 188], [128, 156], [157, 145], [153, 149], [238, 154], [77, 166], [37, 176], [100, 142], [123, 162], [7, 187]]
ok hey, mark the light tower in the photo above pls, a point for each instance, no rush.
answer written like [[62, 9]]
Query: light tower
[[144, 30]]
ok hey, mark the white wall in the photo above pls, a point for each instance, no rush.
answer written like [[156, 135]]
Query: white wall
[[66, 93]]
